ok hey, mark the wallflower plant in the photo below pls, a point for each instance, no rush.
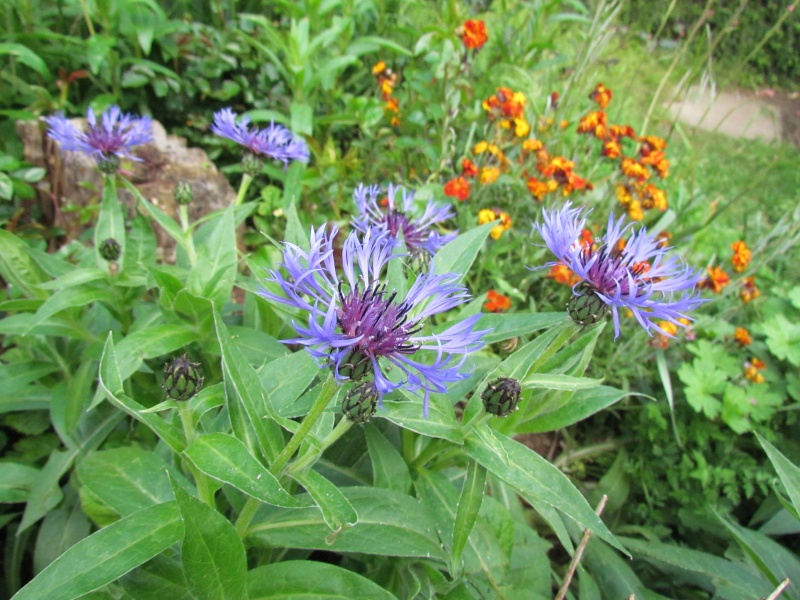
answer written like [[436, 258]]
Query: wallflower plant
[[638, 276], [360, 327]]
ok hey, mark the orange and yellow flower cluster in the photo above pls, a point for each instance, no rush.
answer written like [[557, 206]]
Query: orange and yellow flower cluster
[[635, 192], [741, 256], [487, 215], [496, 302], [387, 80], [752, 370], [473, 34], [507, 107]]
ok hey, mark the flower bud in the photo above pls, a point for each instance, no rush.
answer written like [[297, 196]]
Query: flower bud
[[501, 396], [182, 378], [355, 366], [252, 164], [110, 250], [360, 402], [586, 307], [108, 163], [183, 193]]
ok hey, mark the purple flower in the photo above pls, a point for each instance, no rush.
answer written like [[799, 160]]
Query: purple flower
[[639, 277], [419, 235], [362, 328], [115, 136], [274, 141]]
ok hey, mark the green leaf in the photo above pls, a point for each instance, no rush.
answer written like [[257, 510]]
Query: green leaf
[[157, 579], [126, 479], [159, 216], [213, 555], [506, 326], [245, 389], [15, 482], [111, 386], [6, 187], [583, 404], [98, 49], [25, 56], [457, 256], [302, 118], [788, 472], [18, 268], [730, 580], [310, 580], [469, 505], [70, 298], [409, 414], [536, 479], [334, 506], [389, 524], [703, 382], [107, 554], [282, 391], [555, 381], [226, 459], [214, 272], [61, 529], [783, 338], [389, 469]]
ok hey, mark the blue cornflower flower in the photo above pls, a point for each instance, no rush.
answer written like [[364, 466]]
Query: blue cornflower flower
[[419, 235], [113, 138], [274, 141], [638, 277], [360, 327]]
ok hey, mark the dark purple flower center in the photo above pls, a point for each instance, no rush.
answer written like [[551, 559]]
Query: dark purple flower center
[[612, 272], [107, 142], [413, 236], [383, 325]]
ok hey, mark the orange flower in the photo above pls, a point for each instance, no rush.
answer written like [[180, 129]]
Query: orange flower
[[741, 256], [612, 148], [749, 291], [587, 238], [537, 188], [489, 175], [468, 168], [635, 211], [496, 302], [506, 103], [458, 187], [594, 123], [561, 273], [480, 147], [653, 197], [634, 170], [752, 368], [392, 105], [716, 280], [521, 127], [651, 143], [601, 95], [473, 34], [532, 145], [742, 336], [661, 338], [379, 68], [663, 239], [618, 131], [487, 215]]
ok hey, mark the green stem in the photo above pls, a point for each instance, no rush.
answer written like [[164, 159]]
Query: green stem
[[183, 214], [203, 487], [319, 406], [308, 459], [243, 187]]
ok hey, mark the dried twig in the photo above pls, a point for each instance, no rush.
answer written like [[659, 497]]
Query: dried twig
[[778, 590], [576, 558]]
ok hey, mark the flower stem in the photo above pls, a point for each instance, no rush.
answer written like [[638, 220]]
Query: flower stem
[[243, 187], [203, 487], [319, 406], [183, 214], [308, 459]]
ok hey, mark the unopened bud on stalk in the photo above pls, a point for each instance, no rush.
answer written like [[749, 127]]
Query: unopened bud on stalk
[[501, 396], [252, 164], [108, 163], [355, 366], [182, 378], [183, 193], [360, 402], [586, 308], [110, 249]]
